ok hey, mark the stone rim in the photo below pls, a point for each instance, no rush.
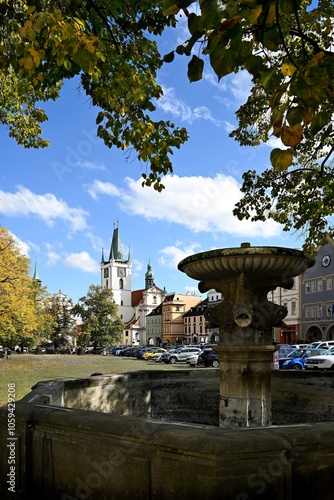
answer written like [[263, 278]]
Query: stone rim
[[261, 261]]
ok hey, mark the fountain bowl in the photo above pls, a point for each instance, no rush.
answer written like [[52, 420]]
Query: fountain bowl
[[259, 261]]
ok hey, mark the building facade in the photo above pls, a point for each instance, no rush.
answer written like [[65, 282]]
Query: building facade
[[172, 324], [317, 296], [116, 275], [290, 298], [154, 326], [195, 325]]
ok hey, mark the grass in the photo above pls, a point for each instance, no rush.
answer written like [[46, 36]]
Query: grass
[[25, 370]]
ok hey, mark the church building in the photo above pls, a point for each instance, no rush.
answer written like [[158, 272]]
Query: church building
[[133, 305]]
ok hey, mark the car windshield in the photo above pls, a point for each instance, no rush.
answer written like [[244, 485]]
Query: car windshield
[[297, 353]]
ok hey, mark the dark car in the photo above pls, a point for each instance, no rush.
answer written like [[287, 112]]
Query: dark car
[[208, 358], [295, 360]]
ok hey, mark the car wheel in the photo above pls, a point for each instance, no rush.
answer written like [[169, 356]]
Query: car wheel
[[172, 361], [297, 367], [215, 363], [332, 367]]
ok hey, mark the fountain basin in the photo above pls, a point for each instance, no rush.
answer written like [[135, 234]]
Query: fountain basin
[[64, 450], [261, 262]]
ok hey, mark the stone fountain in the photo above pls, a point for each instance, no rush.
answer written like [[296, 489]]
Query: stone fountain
[[245, 317], [159, 434]]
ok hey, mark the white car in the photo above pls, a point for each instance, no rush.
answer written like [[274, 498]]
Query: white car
[[322, 362], [192, 359]]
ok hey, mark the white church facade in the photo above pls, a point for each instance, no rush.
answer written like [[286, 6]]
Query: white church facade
[[133, 305]]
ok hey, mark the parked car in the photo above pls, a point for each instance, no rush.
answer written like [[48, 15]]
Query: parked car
[[323, 344], [322, 362], [179, 355], [300, 346], [208, 358], [296, 359], [283, 351], [192, 359], [148, 355], [156, 357]]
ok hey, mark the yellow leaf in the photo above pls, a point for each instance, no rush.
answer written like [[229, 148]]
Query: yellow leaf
[[288, 69], [271, 14], [291, 136], [280, 159]]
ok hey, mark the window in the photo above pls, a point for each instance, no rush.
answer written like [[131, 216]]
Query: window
[[319, 285], [313, 286], [307, 287], [121, 284], [154, 300], [329, 284], [293, 308], [307, 312]]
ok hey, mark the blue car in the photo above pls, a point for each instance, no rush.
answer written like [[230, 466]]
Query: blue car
[[295, 360]]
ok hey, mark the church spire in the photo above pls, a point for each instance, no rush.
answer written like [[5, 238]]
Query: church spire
[[35, 275], [116, 246]]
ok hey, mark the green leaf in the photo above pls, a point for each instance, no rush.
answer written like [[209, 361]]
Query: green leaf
[[194, 23], [295, 115], [195, 69], [320, 120], [168, 58], [280, 159], [67, 64], [211, 15]]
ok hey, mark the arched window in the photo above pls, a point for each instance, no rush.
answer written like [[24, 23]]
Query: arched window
[[121, 284]]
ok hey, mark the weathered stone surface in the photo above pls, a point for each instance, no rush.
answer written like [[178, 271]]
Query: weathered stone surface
[[71, 453]]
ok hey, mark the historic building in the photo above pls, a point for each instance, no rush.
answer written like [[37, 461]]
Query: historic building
[[290, 298], [153, 326], [195, 325], [144, 301], [173, 308], [133, 305], [317, 296], [116, 275]]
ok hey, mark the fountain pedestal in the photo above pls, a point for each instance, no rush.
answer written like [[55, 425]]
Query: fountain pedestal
[[245, 386], [245, 317]]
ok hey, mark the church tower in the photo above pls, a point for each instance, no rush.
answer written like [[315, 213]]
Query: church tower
[[116, 275], [149, 277]]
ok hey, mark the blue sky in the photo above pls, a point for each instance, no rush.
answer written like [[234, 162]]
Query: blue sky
[[61, 203]]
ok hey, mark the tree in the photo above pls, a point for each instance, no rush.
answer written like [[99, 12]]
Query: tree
[[99, 316], [18, 320], [286, 46], [60, 309], [110, 45], [45, 322]]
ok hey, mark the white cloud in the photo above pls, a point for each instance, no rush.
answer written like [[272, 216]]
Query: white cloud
[[198, 203], [170, 104], [45, 207], [99, 187], [240, 86], [91, 166], [170, 256], [23, 247], [82, 261]]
